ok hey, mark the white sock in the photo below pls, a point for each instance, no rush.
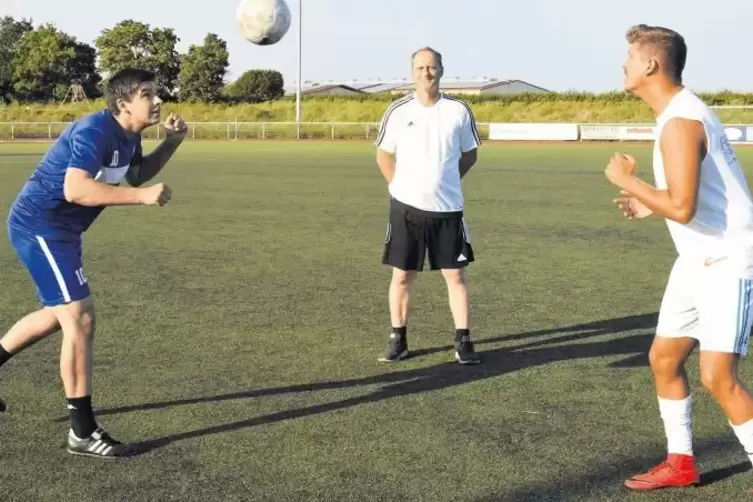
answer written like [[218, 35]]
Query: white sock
[[744, 433], [676, 416]]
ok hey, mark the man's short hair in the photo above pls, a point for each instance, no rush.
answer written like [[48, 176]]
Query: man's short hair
[[124, 84], [668, 43], [437, 55]]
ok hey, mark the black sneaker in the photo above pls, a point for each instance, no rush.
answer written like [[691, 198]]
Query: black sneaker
[[100, 444], [464, 351], [397, 348], [2, 406]]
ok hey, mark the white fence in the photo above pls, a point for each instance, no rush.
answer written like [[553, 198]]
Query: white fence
[[736, 133], [10, 131], [30, 131]]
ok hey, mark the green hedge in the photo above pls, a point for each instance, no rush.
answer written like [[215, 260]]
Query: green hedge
[[529, 107]]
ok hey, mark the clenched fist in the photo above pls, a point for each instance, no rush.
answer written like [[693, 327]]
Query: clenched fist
[[620, 166], [175, 126], [156, 195]]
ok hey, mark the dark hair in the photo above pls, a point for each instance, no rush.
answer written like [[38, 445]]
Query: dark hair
[[669, 43], [124, 84]]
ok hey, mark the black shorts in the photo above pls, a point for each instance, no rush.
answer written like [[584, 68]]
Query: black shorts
[[413, 233]]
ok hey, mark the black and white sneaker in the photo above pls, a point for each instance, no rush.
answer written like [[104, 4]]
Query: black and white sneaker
[[397, 349], [464, 351], [100, 444]]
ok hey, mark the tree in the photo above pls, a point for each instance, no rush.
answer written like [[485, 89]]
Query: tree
[[133, 44], [203, 69], [11, 32], [48, 61], [82, 69], [257, 85]]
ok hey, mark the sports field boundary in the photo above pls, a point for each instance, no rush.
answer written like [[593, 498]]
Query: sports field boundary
[[371, 142]]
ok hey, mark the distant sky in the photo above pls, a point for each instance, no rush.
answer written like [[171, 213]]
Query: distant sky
[[557, 44]]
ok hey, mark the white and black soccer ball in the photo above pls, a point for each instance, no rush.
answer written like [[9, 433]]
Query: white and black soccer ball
[[263, 22]]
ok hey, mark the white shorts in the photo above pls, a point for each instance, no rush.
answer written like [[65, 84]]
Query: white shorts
[[708, 301]]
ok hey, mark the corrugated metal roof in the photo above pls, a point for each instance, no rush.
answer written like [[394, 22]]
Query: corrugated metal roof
[[472, 84], [373, 86], [383, 87]]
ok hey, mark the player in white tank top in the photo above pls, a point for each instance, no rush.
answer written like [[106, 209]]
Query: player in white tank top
[[702, 194], [722, 225]]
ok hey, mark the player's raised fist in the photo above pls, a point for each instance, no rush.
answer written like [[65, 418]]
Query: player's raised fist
[[175, 126], [620, 166], [156, 195]]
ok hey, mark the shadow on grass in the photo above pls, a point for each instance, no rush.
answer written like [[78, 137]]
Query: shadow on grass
[[601, 482], [537, 348], [496, 362]]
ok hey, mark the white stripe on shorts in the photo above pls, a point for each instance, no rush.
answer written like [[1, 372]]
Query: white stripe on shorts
[[744, 319], [55, 269]]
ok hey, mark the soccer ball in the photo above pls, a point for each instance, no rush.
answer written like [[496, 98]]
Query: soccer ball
[[263, 22]]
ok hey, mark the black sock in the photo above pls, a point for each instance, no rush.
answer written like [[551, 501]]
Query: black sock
[[82, 416], [4, 355], [460, 333], [400, 331]]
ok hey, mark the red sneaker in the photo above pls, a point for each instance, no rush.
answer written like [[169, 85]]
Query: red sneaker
[[676, 471]]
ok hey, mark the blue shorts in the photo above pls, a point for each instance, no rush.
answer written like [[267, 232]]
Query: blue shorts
[[54, 265]]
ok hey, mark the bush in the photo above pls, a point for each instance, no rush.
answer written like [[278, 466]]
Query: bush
[[531, 107]]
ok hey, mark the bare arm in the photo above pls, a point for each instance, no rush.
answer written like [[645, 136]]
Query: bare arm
[[467, 160], [386, 163], [80, 188], [151, 164], [683, 147]]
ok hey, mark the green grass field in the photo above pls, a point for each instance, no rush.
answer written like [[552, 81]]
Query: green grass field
[[239, 329]]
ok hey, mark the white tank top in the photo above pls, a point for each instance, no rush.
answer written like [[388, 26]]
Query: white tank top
[[723, 223]]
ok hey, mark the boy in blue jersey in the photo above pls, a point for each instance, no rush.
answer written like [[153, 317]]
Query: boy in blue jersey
[[76, 179]]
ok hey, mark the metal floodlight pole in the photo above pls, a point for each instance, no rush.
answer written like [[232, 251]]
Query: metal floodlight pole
[[300, 60]]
